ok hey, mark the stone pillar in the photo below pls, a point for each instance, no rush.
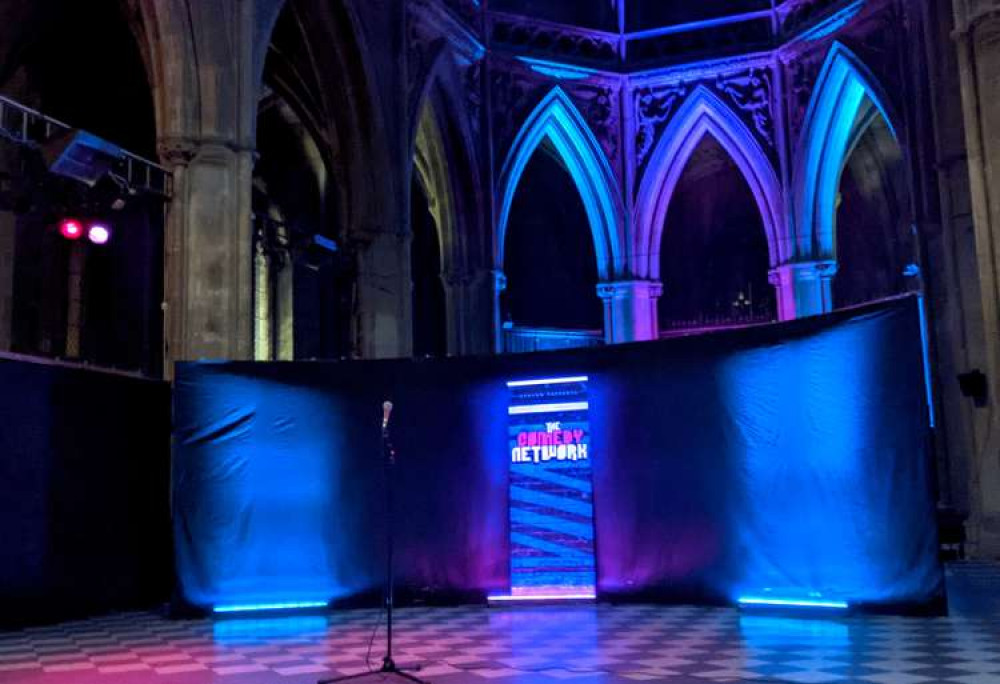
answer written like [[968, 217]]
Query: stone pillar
[[977, 34], [469, 312], [384, 296], [499, 282], [803, 288], [208, 252], [630, 310], [284, 303]]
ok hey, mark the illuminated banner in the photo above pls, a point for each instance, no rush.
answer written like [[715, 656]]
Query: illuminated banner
[[551, 490]]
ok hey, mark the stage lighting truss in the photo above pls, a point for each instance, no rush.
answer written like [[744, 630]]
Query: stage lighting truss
[[27, 127]]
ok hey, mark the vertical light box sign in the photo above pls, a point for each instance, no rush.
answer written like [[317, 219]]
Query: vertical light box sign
[[551, 490]]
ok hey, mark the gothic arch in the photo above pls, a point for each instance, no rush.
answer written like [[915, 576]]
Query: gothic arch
[[843, 103], [557, 120], [315, 51], [430, 164], [703, 113], [443, 155]]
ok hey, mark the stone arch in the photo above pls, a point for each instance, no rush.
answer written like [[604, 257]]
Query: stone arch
[[442, 152], [430, 164], [703, 113], [558, 121], [843, 103], [444, 162], [322, 55]]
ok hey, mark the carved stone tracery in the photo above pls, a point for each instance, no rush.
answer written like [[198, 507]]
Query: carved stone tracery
[[653, 106], [750, 92]]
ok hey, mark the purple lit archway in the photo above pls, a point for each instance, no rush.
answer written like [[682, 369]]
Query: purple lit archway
[[703, 113]]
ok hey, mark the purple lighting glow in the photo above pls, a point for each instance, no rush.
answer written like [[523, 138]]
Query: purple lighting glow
[[99, 234], [587, 596]]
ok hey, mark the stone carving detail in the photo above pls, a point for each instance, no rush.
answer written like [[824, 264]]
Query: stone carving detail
[[513, 94], [562, 41], [597, 104], [177, 151], [750, 91], [653, 106]]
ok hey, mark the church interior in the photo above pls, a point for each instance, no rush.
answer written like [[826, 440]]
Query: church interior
[[746, 253]]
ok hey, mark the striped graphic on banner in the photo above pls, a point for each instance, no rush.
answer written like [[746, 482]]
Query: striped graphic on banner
[[551, 491]]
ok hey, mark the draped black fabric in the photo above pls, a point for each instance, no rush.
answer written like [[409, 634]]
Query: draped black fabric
[[84, 492], [786, 461]]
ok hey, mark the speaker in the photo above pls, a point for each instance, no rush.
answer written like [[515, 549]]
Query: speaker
[[973, 384]]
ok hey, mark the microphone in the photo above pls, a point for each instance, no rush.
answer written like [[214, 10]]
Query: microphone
[[386, 410]]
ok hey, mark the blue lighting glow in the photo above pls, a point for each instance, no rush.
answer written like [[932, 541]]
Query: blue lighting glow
[[797, 603], [548, 408], [833, 23], [821, 629], [251, 607], [558, 70], [557, 120], [925, 350], [546, 381], [831, 130]]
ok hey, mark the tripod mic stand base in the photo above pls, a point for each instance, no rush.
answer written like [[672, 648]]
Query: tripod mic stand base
[[388, 668]]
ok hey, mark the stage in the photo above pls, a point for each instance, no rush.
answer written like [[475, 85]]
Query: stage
[[582, 643]]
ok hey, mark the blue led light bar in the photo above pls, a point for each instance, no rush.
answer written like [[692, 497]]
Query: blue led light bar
[[546, 381], [246, 608], [558, 70], [796, 603]]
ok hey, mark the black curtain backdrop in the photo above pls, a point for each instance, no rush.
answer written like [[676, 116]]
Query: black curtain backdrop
[[786, 460], [84, 492]]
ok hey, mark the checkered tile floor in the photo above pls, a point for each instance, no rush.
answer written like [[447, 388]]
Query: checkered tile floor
[[597, 643]]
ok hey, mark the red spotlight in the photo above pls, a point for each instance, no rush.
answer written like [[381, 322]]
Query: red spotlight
[[99, 233], [71, 229]]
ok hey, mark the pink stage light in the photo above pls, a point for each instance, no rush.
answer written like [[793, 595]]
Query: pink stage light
[[71, 229], [99, 233]]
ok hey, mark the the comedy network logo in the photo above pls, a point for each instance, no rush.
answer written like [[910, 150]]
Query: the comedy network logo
[[553, 444]]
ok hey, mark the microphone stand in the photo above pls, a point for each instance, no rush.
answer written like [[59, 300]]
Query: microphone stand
[[389, 666]]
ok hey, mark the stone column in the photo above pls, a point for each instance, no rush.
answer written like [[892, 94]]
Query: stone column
[[499, 283], [469, 312], [284, 303], [977, 34], [630, 310], [384, 296], [803, 288], [208, 251]]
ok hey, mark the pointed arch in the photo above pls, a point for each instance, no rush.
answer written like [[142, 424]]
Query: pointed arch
[[444, 161], [843, 103], [558, 121], [703, 113], [430, 164]]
